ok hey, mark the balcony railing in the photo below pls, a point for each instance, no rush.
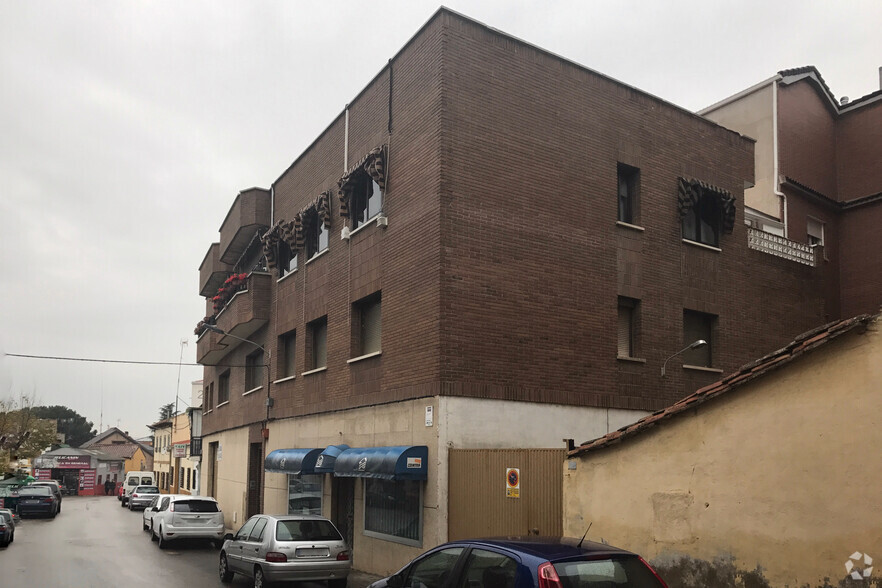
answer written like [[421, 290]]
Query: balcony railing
[[195, 446], [780, 247]]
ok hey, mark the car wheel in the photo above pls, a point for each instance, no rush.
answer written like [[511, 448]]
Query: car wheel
[[4, 543], [163, 543], [226, 576], [152, 532], [122, 503], [130, 507], [59, 508], [54, 513], [145, 525], [259, 579], [337, 583]]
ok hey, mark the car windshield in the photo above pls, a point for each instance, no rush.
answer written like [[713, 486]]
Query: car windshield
[[147, 490], [35, 491], [146, 480], [308, 530], [618, 571], [196, 506]]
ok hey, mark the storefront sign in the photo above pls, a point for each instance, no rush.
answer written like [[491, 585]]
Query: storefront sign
[[513, 482], [67, 462], [180, 449]]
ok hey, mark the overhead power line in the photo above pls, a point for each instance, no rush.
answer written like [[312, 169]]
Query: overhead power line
[[124, 361]]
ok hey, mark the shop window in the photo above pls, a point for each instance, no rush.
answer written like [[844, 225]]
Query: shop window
[[366, 325], [287, 344], [629, 182], [254, 370], [305, 494], [317, 346], [393, 510]]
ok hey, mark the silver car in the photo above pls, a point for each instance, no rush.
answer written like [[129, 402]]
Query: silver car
[[286, 548], [147, 513], [142, 496], [181, 516]]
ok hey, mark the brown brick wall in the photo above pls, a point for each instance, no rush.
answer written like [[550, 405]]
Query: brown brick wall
[[862, 264], [807, 137], [858, 153], [502, 262]]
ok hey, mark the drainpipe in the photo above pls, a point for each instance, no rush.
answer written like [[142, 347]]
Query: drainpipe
[[776, 184]]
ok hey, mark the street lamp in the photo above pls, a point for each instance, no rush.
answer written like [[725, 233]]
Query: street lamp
[[693, 345], [269, 399]]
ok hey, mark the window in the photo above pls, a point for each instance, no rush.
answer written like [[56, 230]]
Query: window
[[316, 234], [318, 343], [701, 223], [243, 533], [627, 327], [696, 326], [188, 479], [629, 182], [814, 232], [305, 494], [433, 570], [209, 397], [287, 260], [392, 509], [490, 569], [366, 325], [223, 388], [257, 532], [181, 477], [254, 370], [367, 200], [287, 343]]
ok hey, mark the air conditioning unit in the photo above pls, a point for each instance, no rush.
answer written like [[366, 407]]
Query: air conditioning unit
[[344, 234], [382, 221]]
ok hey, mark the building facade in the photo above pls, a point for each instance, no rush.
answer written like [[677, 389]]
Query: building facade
[[490, 247], [162, 454]]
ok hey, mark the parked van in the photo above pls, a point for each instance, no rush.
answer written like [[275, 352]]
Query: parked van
[[132, 480]]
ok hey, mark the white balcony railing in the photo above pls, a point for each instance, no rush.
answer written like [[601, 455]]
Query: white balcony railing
[[780, 247]]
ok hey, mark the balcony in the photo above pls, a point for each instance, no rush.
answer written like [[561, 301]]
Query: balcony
[[195, 446], [247, 311], [212, 272], [249, 215], [209, 350], [780, 247]]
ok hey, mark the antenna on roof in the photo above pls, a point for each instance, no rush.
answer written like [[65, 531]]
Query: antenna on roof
[[585, 535]]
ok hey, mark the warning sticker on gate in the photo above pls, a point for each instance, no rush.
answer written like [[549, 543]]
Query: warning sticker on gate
[[512, 483]]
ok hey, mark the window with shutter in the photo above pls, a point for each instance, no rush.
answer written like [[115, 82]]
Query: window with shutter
[[698, 325]]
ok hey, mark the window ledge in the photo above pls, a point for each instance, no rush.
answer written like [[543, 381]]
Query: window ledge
[[365, 356], [223, 404], [252, 391], [315, 371], [317, 255], [630, 359], [207, 411], [364, 225], [286, 276], [285, 379], [701, 368], [702, 245], [625, 225]]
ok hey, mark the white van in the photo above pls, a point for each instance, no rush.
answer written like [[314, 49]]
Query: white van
[[134, 479]]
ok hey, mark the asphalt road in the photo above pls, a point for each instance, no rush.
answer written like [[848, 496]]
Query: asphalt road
[[94, 542]]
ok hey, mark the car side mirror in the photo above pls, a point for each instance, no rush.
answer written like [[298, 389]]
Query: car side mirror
[[228, 537]]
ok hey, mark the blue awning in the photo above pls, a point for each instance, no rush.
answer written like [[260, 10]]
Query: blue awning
[[325, 462], [389, 463], [292, 461]]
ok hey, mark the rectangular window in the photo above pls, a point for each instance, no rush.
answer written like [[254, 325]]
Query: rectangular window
[[287, 343], [305, 494], [287, 260], [393, 508], [188, 479], [627, 327], [316, 234], [698, 326], [702, 222], [367, 200], [210, 399], [317, 331], [366, 325], [223, 388], [628, 183], [254, 370], [815, 232], [181, 477]]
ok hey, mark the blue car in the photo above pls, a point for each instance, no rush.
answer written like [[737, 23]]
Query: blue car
[[528, 562]]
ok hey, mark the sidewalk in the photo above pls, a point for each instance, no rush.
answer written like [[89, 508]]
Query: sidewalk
[[358, 579]]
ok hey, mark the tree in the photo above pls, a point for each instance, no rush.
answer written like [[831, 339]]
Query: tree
[[77, 430], [23, 433], [166, 411]]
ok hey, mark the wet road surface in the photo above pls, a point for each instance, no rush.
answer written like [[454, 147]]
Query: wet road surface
[[95, 543]]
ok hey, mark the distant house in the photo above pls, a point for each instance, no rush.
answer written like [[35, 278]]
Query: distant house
[[770, 472], [137, 456]]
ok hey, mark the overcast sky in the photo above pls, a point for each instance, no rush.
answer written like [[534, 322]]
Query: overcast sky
[[128, 128]]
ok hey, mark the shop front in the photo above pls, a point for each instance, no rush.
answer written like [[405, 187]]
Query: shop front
[[81, 472]]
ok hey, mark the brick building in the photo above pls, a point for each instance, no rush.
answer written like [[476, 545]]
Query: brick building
[[818, 177], [490, 247]]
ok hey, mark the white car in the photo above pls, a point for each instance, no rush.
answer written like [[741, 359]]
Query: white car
[[182, 516], [147, 514]]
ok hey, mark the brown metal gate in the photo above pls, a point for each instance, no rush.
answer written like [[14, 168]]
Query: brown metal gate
[[478, 503]]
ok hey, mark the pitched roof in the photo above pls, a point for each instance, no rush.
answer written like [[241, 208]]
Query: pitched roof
[[98, 442], [803, 344], [810, 71]]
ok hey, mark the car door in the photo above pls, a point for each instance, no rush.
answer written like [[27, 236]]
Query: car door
[[484, 568], [252, 549], [160, 513], [234, 548]]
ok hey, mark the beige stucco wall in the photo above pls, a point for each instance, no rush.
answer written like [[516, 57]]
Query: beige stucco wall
[[752, 115], [232, 471], [782, 473]]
